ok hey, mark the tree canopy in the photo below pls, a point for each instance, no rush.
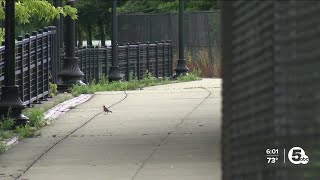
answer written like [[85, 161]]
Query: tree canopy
[[41, 9], [157, 6], [94, 13], [31, 11]]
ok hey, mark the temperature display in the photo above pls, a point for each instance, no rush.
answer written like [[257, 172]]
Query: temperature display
[[272, 155]]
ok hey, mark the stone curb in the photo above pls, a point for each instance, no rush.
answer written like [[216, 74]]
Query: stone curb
[[55, 112]]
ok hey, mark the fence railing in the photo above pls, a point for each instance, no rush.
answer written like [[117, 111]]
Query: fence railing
[[39, 60], [134, 60], [34, 57]]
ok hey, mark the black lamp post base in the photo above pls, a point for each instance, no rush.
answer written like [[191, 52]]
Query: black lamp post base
[[66, 86], [114, 74], [181, 68], [71, 73], [11, 105]]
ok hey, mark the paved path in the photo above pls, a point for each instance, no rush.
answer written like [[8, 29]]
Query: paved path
[[169, 132]]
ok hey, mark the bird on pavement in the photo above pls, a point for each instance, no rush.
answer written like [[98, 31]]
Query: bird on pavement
[[105, 109]]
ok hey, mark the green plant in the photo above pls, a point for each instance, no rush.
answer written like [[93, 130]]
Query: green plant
[[104, 80], [6, 124], [25, 131], [133, 84], [131, 77], [3, 147], [147, 75], [53, 89], [35, 116], [192, 76], [6, 134]]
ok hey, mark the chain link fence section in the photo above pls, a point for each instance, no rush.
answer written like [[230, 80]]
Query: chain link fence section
[[270, 89], [202, 32]]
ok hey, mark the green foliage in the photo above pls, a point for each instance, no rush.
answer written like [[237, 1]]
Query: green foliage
[[5, 132], [192, 76], [3, 147], [134, 84], [157, 6], [25, 131], [42, 9], [36, 11], [53, 89], [90, 12], [6, 124], [35, 116]]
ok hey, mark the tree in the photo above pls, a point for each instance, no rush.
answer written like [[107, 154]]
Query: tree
[[157, 6], [93, 14], [41, 10]]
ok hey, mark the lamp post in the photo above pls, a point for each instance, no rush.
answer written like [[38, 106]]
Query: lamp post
[[71, 73], [59, 43], [114, 73], [181, 66], [11, 105]]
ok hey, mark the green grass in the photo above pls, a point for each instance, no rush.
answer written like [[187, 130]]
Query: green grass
[[133, 84], [36, 118], [36, 114], [3, 147], [25, 131], [193, 76], [5, 132]]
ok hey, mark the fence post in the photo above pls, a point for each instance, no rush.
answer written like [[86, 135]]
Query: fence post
[[35, 33], [46, 29], [93, 63], [20, 38], [42, 65], [128, 61], [163, 58], [148, 56], [157, 60], [85, 65], [80, 51], [169, 58], [138, 62], [52, 54], [98, 67], [89, 64], [28, 60], [106, 62]]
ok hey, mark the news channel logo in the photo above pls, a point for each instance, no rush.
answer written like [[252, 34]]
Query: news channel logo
[[295, 155]]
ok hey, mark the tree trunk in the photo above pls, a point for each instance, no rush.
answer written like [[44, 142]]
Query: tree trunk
[[102, 32], [89, 41]]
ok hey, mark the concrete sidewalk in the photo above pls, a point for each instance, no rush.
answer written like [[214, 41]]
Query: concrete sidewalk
[[168, 132]]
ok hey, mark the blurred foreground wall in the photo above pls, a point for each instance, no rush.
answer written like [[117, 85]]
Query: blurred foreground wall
[[271, 89]]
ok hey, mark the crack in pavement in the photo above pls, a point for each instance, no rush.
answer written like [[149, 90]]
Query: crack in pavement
[[169, 133], [68, 135]]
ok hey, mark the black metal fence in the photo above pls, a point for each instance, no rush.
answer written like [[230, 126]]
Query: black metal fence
[[270, 89], [202, 31], [39, 60], [135, 60], [34, 64]]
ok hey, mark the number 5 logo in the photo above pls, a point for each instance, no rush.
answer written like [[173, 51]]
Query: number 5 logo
[[296, 155]]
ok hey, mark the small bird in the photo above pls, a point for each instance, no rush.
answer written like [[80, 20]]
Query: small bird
[[105, 109]]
